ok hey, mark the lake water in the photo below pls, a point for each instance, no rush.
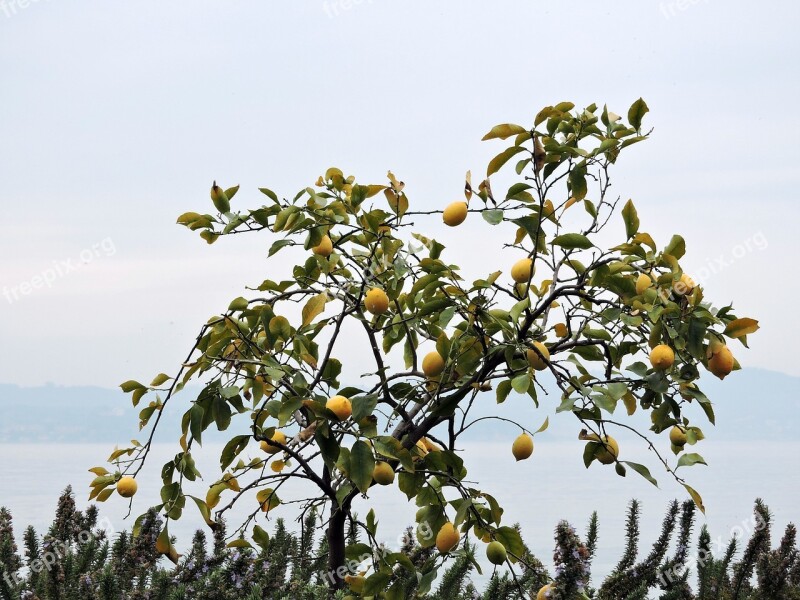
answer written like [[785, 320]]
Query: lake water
[[537, 493]]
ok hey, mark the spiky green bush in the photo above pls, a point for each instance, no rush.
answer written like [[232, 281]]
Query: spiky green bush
[[75, 560]]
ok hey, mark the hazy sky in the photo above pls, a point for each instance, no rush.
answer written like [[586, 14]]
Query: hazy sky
[[117, 116]]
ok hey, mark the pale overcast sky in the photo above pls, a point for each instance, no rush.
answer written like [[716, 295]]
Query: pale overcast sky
[[117, 116]]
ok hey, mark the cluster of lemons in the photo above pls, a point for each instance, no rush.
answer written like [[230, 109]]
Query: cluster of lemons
[[720, 359]]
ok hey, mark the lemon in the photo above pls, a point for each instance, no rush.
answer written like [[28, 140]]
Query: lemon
[[340, 406], [522, 447], [383, 474], [721, 362], [677, 436], [376, 301], [324, 248], [683, 286], [126, 487], [643, 283], [432, 364], [662, 357], [607, 453], [278, 437], [455, 213], [447, 538], [538, 362], [522, 270], [496, 553], [544, 592]]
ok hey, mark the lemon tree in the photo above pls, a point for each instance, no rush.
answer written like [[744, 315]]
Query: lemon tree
[[614, 330]]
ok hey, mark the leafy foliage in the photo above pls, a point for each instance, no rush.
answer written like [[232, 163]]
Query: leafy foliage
[[572, 314]]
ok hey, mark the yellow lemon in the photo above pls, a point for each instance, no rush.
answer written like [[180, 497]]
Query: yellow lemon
[[677, 436], [522, 447], [662, 357], [432, 364], [721, 362], [376, 301], [126, 487], [383, 474], [278, 437], [356, 582], [429, 445], [324, 248], [522, 270], [608, 452], [643, 283], [340, 406], [455, 213], [683, 286], [538, 362], [447, 538]]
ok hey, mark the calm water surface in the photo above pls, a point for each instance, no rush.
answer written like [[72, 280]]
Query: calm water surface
[[537, 493]]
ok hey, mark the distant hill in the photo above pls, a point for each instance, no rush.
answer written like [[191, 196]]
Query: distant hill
[[753, 404]]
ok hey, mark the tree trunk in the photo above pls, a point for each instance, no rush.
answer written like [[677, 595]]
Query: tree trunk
[[336, 548]]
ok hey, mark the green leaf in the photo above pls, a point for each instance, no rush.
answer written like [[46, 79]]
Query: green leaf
[[269, 192], [363, 406], [637, 112], [687, 460], [196, 415], [498, 161], [676, 247], [204, 510], [327, 445], [276, 246], [521, 383], [231, 192], [238, 304], [631, 219], [232, 449], [577, 181], [510, 538], [504, 131], [493, 217], [376, 583], [260, 536], [188, 218], [130, 386], [503, 390], [572, 241], [410, 483], [362, 463], [641, 470], [517, 309], [314, 307], [159, 379], [356, 552], [222, 413]]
